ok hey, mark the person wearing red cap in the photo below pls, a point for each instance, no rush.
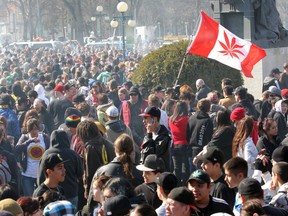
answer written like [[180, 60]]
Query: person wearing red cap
[[58, 106], [238, 114]]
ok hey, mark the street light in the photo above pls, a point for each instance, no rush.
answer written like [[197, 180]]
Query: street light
[[99, 10], [122, 7]]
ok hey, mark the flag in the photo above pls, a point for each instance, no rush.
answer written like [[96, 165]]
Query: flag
[[215, 42]]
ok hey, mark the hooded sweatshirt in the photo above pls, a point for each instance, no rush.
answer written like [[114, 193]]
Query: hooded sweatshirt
[[115, 128], [59, 143]]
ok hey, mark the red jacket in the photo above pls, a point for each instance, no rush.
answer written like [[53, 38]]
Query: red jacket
[[178, 130]]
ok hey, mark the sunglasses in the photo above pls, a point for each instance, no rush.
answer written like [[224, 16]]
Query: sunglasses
[[133, 94]]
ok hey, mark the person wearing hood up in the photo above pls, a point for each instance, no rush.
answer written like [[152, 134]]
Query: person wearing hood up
[[59, 144], [280, 117]]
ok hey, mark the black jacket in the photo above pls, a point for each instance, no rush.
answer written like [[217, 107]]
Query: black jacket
[[223, 140], [263, 142], [199, 131], [116, 169], [160, 146], [74, 169], [150, 193]]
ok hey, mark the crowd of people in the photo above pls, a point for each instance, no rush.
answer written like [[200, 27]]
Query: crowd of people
[[77, 137]]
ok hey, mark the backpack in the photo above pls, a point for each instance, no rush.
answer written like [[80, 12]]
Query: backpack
[[5, 172]]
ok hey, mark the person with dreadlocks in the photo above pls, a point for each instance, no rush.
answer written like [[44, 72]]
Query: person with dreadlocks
[[97, 151]]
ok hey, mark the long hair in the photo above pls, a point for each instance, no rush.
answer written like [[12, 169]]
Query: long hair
[[265, 125], [181, 109], [223, 120], [28, 205], [124, 148], [29, 115], [243, 131], [87, 130]]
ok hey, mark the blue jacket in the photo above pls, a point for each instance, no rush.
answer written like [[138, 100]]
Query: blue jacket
[[13, 128]]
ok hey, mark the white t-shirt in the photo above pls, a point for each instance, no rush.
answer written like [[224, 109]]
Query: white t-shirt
[[34, 154]]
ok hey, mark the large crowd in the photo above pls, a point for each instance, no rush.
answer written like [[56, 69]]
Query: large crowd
[[78, 137]]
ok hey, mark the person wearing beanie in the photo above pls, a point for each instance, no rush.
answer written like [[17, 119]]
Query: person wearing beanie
[[237, 115], [71, 122], [11, 206], [130, 114], [74, 170]]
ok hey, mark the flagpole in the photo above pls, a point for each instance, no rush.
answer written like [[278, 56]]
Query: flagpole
[[185, 55], [180, 70]]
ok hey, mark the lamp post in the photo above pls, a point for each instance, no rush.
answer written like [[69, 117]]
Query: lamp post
[[97, 17], [122, 7]]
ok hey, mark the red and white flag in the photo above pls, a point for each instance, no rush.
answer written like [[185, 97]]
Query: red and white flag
[[214, 41]]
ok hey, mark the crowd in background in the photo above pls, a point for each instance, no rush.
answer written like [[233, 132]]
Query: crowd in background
[[77, 136]]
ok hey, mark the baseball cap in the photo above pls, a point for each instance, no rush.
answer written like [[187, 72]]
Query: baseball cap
[[199, 176], [213, 155], [159, 88], [240, 90], [60, 88], [52, 160], [117, 206], [275, 91], [183, 195], [249, 186], [152, 163], [112, 111], [167, 181], [280, 154], [134, 90], [151, 111], [276, 70]]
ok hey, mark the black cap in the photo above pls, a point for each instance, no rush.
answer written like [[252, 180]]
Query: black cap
[[240, 91], [249, 186], [134, 90], [159, 88], [276, 70], [151, 111], [280, 154], [213, 155], [183, 195], [152, 163], [117, 206], [167, 181], [52, 160], [199, 176]]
